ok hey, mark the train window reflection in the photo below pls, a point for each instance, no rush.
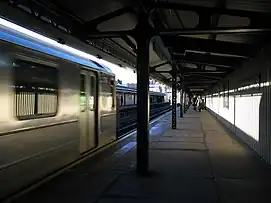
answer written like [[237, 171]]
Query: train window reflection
[[107, 90], [36, 90]]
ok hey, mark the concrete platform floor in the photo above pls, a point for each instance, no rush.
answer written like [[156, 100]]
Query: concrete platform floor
[[197, 163]]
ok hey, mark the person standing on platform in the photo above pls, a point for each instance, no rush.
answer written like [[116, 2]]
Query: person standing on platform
[[187, 100], [194, 100], [199, 103]]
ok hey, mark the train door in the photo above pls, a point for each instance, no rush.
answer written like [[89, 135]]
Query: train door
[[88, 107]]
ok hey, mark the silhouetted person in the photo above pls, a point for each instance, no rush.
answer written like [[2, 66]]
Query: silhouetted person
[[194, 100], [199, 103]]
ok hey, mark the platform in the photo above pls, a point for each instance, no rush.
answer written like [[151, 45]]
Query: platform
[[200, 162]]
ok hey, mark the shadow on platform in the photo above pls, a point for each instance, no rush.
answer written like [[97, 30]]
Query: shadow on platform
[[198, 162]]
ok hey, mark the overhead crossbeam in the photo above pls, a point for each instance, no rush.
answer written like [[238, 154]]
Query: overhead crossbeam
[[93, 23], [204, 76], [186, 68], [210, 60], [215, 18], [221, 30], [64, 18], [206, 82], [196, 71], [208, 45], [198, 86], [56, 15], [210, 10], [177, 32], [196, 78], [129, 42], [152, 68]]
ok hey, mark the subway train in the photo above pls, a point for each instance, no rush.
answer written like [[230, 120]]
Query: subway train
[[56, 106], [127, 96]]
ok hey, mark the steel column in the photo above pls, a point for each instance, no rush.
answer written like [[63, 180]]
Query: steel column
[[185, 107], [181, 98], [181, 103], [174, 100], [143, 43]]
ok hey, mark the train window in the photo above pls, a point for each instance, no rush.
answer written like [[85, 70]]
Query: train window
[[107, 88], [92, 92], [83, 99], [36, 90]]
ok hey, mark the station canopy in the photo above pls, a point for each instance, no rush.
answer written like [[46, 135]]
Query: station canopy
[[206, 39]]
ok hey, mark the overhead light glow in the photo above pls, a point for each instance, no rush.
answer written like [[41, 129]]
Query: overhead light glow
[[52, 42]]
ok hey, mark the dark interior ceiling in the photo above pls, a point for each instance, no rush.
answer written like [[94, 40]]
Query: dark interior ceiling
[[207, 39]]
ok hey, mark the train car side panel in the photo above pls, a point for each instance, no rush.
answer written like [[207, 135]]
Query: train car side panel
[[107, 104], [28, 169], [37, 146]]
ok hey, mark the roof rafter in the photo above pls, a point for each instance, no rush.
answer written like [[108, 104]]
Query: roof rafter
[[211, 10], [208, 45], [93, 23], [212, 60]]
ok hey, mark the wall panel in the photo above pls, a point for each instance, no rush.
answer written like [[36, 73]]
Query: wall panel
[[248, 111]]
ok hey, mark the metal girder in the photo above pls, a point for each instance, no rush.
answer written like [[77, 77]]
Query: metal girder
[[164, 71], [196, 71], [59, 16], [217, 69], [207, 45], [174, 100], [73, 24], [210, 10], [210, 60], [160, 49], [197, 82], [93, 23], [160, 77], [129, 43], [125, 49], [221, 30], [108, 34], [196, 79], [204, 76], [198, 86], [158, 45], [176, 32], [179, 18], [181, 98], [152, 68], [215, 18], [67, 21], [143, 55]]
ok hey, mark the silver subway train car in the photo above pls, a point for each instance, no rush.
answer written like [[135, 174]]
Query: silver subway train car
[[127, 96], [55, 107]]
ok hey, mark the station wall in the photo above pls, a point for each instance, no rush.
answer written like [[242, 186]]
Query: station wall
[[242, 103]]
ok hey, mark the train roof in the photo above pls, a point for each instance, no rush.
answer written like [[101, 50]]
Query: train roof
[[123, 88], [49, 46]]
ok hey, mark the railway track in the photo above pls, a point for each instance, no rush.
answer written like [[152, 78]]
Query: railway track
[[127, 118]]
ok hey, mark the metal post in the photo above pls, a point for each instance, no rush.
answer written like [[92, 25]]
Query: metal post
[[181, 98], [174, 99], [185, 105], [143, 41], [181, 103]]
